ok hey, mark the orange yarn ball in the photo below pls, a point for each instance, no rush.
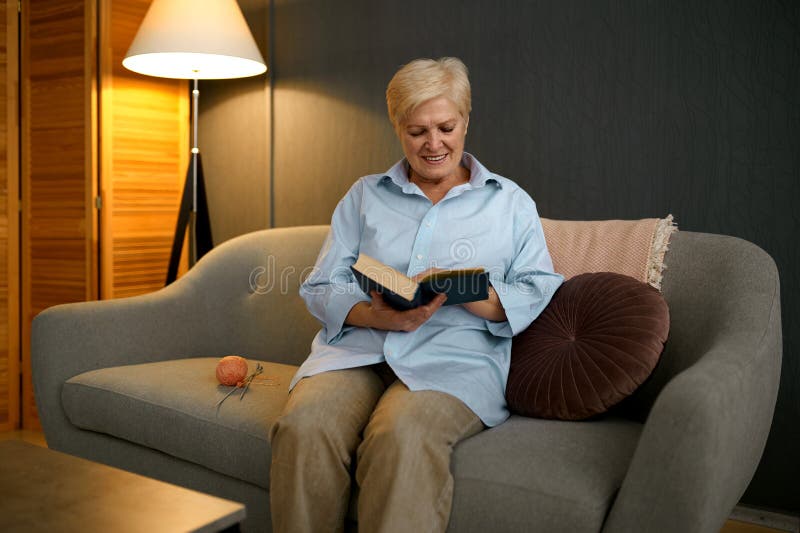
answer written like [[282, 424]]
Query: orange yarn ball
[[231, 369]]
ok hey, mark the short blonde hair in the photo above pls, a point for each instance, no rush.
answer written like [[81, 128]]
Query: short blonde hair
[[424, 79]]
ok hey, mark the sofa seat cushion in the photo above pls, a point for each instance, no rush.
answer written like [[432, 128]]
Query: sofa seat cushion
[[171, 406], [533, 475]]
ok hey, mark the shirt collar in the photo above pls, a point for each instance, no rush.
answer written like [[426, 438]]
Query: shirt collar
[[479, 174]]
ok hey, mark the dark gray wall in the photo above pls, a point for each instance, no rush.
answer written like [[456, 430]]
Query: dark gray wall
[[600, 109], [235, 141]]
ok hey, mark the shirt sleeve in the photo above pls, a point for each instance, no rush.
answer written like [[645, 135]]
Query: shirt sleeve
[[529, 283], [331, 290]]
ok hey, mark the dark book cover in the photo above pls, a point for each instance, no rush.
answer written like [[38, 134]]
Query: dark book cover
[[403, 293]]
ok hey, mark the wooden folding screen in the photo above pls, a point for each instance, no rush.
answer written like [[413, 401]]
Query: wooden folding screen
[[103, 161], [145, 152], [59, 164], [9, 217]]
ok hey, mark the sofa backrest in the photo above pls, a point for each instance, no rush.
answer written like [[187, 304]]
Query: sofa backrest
[[252, 283], [719, 289]]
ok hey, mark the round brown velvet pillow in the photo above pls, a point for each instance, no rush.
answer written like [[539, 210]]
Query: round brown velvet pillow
[[595, 343]]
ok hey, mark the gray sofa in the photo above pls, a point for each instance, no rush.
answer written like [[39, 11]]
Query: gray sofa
[[130, 383]]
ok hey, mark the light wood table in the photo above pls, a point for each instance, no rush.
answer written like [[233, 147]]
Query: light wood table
[[44, 490]]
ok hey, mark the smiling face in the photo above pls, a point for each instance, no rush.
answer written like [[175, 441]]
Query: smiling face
[[433, 141]]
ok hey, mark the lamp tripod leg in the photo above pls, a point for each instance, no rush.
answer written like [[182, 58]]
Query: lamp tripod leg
[[198, 222], [193, 211], [180, 228]]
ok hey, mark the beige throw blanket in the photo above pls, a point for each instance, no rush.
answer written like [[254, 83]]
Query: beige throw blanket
[[635, 248]]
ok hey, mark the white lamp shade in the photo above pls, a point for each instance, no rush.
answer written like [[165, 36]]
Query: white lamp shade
[[194, 39]]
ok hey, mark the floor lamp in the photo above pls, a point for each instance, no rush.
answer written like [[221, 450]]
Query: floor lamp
[[194, 40]]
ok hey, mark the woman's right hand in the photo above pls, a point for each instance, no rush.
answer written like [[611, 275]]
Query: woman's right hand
[[380, 315]]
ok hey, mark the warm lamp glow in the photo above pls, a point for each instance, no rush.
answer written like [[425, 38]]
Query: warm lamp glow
[[194, 39], [190, 66]]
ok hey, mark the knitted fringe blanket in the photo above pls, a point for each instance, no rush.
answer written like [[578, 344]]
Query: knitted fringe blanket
[[635, 248]]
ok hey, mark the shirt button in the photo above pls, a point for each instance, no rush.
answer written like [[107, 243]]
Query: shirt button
[[419, 256], [388, 352], [428, 224]]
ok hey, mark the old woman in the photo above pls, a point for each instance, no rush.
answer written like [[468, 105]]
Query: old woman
[[385, 395]]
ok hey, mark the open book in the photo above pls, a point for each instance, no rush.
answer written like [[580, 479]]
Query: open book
[[401, 292]]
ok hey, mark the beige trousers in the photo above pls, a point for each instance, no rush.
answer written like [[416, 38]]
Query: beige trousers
[[399, 440]]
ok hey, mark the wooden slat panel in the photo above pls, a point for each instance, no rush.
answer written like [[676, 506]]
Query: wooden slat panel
[[145, 150], [59, 170], [9, 219], [7, 375]]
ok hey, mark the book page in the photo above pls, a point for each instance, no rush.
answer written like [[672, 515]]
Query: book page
[[386, 276], [447, 274]]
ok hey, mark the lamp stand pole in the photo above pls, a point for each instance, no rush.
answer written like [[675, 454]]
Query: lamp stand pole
[[193, 211]]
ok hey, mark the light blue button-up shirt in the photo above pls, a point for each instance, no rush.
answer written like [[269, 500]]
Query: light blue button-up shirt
[[489, 222]]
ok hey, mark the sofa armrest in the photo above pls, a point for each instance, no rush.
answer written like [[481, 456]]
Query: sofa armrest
[[70, 339], [704, 437], [240, 298]]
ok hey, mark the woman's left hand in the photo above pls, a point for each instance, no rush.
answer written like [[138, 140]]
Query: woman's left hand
[[490, 308]]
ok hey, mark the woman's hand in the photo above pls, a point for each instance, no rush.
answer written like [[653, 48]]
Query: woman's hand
[[490, 308], [380, 315]]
